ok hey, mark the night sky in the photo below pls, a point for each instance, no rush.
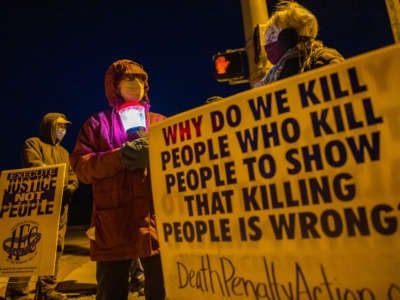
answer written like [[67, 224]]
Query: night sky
[[55, 53]]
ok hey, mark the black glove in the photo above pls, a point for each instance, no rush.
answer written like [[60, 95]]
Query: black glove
[[135, 154]]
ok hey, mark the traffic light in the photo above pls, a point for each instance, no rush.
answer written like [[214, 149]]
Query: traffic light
[[230, 65]]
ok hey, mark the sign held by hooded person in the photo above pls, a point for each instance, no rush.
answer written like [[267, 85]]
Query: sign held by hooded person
[[30, 205]]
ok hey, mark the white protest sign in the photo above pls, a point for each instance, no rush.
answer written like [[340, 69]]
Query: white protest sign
[[287, 191], [29, 215]]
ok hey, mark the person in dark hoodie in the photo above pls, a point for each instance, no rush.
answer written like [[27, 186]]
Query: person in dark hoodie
[[114, 159], [42, 151], [291, 45]]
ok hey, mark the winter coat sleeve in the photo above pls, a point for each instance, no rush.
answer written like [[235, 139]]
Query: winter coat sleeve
[[31, 155], [36, 153], [325, 56], [73, 182], [71, 185], [93, 158]]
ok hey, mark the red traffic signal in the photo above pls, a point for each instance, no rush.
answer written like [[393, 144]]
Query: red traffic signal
[[229, 65]]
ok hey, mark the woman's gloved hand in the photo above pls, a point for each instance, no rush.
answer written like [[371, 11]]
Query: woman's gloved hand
[[135, 154]]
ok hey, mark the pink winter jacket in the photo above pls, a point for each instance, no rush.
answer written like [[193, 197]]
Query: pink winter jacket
[[122, 211]]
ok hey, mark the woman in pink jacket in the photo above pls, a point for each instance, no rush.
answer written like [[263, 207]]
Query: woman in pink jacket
[[115, 163]]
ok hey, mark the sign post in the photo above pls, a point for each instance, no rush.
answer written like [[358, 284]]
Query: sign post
[[393, 9]]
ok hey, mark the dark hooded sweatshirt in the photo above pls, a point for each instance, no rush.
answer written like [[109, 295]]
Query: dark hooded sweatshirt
[[46, 150]]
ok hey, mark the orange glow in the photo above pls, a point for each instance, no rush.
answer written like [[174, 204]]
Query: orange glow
[[221, 64]]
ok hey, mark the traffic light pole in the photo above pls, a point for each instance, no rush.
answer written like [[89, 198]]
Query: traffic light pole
[[254, 13], [393, 8]]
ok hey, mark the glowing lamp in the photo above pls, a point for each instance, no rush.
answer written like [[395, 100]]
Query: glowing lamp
[[133, 116]]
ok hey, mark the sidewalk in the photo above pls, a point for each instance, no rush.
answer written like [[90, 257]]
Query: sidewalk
[[77, 273]]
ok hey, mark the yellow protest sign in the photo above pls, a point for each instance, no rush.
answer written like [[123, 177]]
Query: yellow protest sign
[[29, 215], [287, 191]]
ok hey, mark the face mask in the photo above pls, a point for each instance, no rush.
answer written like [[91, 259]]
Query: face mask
[[60, 133], [132, 90], [274, 52]]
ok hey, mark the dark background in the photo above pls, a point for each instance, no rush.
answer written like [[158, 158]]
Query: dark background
[[55, 54]]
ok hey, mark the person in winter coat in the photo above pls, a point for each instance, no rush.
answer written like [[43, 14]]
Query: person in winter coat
[[115, 162], [291, 45], [42, 151]]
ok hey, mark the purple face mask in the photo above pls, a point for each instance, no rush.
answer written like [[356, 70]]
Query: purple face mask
[[274, 52]]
